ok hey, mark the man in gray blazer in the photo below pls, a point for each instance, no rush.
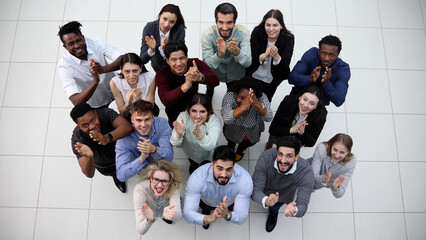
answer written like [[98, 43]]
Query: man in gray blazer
[[279, 173]]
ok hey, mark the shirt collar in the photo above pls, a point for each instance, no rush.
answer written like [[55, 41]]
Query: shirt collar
[[291, 171], [162, 35]]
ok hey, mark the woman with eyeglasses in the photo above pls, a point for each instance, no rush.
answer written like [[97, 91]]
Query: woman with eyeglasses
[[158, 195], [333, 164]]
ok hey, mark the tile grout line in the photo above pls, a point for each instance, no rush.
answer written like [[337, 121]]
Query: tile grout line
[[393, 121]]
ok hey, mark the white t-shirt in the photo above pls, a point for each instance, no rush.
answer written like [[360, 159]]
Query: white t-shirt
[[75, 73], [145, 80]]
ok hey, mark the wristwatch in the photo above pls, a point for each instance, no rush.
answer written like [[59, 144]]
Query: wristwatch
[[229, 216], [109, 136]]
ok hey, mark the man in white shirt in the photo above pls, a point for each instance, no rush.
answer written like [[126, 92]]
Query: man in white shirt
[[83, 69]]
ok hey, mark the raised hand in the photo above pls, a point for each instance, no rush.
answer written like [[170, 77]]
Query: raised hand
[[248, 101], [169, 212], [147, 212], [145, 146], [221, 47], [95, 66], [199, 134], [299, 128], [233, 47], [99, 137], [150, 41], [337, 182], [315, 74], [290, 210], [326, 76], [163, 44], [83, 149], [326, 177], [272, 199], [193, 74], [222, 209], [179, 127]]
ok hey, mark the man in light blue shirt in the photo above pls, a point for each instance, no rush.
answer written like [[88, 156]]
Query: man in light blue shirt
[[222, 186], [226, 46], [149, 141]]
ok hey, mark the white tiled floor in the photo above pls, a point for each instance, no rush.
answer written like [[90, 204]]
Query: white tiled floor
[[45, 196]]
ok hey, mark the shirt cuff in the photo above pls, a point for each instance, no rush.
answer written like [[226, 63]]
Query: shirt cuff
[[150, 52], [161, 52], [277, 62], [264, 201], [297, 210]]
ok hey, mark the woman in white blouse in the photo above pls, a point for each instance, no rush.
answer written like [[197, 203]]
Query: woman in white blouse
[[158, 195], [133, 83]]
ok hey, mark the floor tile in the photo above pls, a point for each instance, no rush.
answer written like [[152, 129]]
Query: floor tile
[[9, 9], [287, 227], [256, 11], [103, 224], [342, 226], [20, 180], [373, 137], [11, 142], [415, 225], [74, 10], [379, 226], [234, 231], [412, 174], [59, 97], [410, 132], [17, 223], [322, 201], [401, 14], [193, 44], [373, 54], [8, 28], [411, 57], [368, 82], [407, 83], [132, 10], [377, 187], [190, 9], [4, 70], [129, 42], [52, 10], [179, 228], [349, 12], [43, 48], [318, 13], [307, 37], [70, 190], [105, 195], [32, 80], [64, 224]]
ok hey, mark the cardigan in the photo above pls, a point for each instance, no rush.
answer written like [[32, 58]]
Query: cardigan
[[142, 194], [285, 115]]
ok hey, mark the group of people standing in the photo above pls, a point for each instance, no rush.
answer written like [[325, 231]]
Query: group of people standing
[[137, 141]]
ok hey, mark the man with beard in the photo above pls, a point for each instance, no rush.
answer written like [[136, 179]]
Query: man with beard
[[222, 187], [83, 69], [279, 173], [149, 141], [226, 46]]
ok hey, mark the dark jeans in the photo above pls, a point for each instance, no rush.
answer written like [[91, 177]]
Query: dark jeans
[[270, 88], [229, 87], [274, 209], [194, 165]]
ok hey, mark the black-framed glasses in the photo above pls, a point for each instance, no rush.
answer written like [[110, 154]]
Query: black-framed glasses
[[163, 181]]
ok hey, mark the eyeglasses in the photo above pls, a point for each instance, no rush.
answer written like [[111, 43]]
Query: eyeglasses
[[157, 181]]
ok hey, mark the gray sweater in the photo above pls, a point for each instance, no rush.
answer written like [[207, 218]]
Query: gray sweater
[[267, 180]]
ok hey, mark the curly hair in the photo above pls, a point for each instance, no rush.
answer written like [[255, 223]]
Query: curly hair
[[79, 110], [71, 27], [331, 40], [169, 167]]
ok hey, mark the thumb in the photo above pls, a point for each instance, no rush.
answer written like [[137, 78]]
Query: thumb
[[293, 204], [277, 194], [171, 206], [143, 139]]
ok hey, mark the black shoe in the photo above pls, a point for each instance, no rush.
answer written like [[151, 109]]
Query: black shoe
[[205, 212], [193, 166], [120, 185], [271, 222]]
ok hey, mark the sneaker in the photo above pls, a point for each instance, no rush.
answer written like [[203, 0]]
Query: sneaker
[[238, 156]]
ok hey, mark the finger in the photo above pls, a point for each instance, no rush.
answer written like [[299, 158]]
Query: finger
[[194, 63], [181, 120], [225, 198], [142, 139]]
